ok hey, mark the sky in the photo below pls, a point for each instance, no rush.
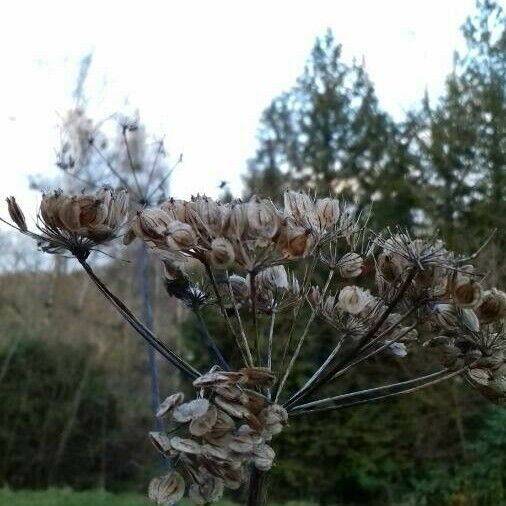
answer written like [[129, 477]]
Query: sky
[[200, 72]]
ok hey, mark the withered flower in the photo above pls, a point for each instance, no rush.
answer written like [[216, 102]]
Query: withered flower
[[353, 299], [492, 307], [350, 265], [327, 210], [222, 252], [263, 219], [467, 293], [190, 410], [295, 241], [16, 214], [75, 224], [180, 236], [171, 402]]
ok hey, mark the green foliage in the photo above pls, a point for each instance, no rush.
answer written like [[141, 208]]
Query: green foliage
[[56, 412]]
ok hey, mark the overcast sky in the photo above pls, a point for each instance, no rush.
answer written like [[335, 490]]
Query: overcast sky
[[200, 72]]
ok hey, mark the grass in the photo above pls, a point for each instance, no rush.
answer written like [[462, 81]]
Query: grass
[[68, 497]]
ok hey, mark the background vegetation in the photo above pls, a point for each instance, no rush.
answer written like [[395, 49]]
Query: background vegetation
[[73, 385]]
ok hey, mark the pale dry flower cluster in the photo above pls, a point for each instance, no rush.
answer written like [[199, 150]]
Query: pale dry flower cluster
[[220, 433], [313, 260]]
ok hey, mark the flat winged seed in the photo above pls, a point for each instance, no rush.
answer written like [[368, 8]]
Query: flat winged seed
[[232, 408], [208, 492], [169, 404], [160, 441], [254, 401], [241, 443], [215, 453], [190, 410], [203, 424], [480, 376], [229, 392], [264, 451], [274, 414], [217, 378], [185, 445], [262, 464], [257, 376], [167, 490]]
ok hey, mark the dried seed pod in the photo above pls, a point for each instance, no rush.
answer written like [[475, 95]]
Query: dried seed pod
[[169, 404], [466, 292], [254, 401], [350, 265], [207, 215], [240, 287], [209, 489], [16, 214], [185, 445], [272, 279], [161, 442], [257, 376], [242, 443], [354, 300], [50, 209], [263, 218], [222, 253], [398, 349], [295, 242], [263, 457], [492, 307], [469, 319], [215, 453], [203, 424], [391, 266], [298, 205], [327, 212], [180, 236], [445, 315], [234, 409], [237, 220], [151, 225], [218, 378], [177, 209], [167, 490], [274, 414], [223, 425], [229, 392], [190, 410]]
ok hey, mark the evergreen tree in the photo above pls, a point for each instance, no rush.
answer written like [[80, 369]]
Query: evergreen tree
[[462, 138], [329, 134]]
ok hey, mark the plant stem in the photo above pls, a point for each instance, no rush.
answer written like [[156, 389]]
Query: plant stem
[[209, 341], [139, 327], [253, 290], [257, 493]]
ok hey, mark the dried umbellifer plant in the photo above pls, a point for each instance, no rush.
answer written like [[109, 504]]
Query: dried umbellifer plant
[[385, 293]]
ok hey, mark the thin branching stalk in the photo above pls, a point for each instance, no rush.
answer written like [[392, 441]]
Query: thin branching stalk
[[223, 310], [253, 292], [386, 396], [382, 389], [302, 339], [307, 279], [318, 383], [367, 356], [210, 341], [139, 327]]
